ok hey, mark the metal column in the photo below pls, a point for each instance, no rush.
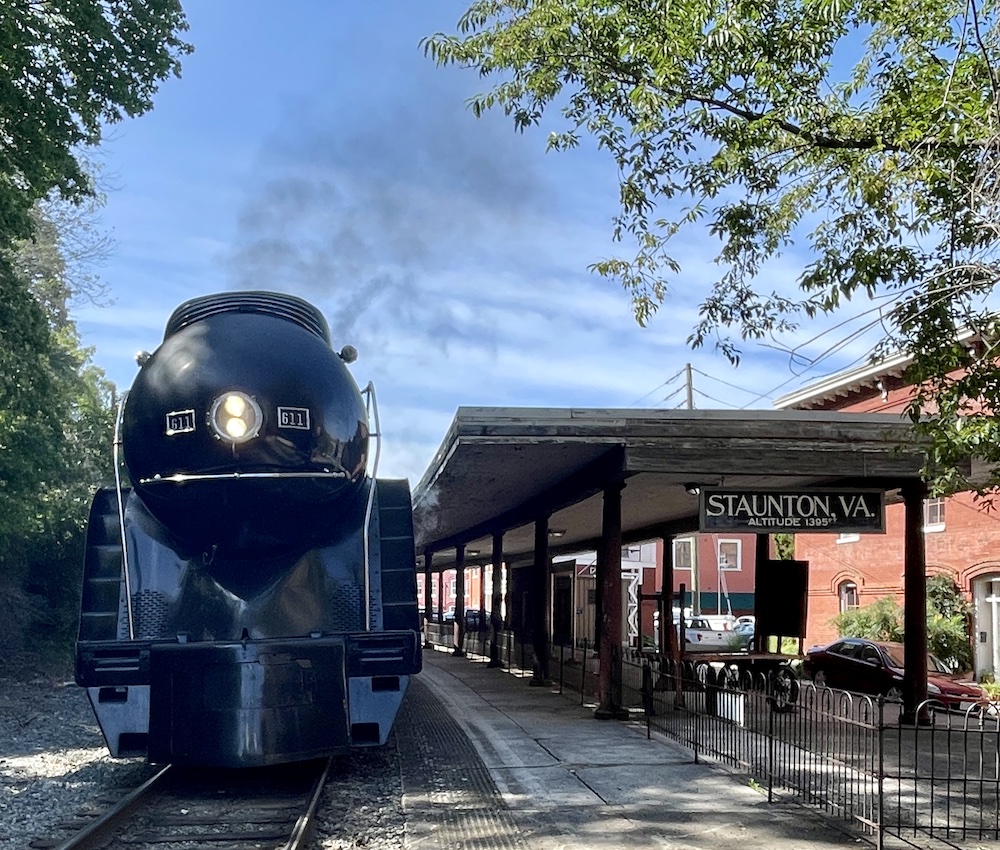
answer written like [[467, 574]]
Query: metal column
[[762, 562], [440, 611], [428, 597], [459, 601], [609, 579], [539, 598], [668, 635], [914, 604], [496, 604]]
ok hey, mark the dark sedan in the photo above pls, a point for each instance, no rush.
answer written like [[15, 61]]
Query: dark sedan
[[876, 667]]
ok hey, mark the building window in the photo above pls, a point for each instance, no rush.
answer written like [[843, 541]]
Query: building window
[[684, 553], [847, 537], [934, 514], [730, 554], [848, 593], [631, 553]]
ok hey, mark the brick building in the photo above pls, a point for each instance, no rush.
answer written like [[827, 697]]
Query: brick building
[[961, 539]]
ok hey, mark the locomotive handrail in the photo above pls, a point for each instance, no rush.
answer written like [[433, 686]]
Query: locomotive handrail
[[371, 408], [182, 478], [121, 512]]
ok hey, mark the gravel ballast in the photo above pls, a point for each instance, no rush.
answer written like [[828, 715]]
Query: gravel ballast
[[53, 761], [54, 764]]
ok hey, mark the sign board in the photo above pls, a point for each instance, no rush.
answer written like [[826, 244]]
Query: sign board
[[807, 511]]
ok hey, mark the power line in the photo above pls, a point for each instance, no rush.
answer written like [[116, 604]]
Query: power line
[[668, 397], [666, 383], [719, 380], [712, 398]]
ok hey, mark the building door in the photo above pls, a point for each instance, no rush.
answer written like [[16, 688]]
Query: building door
[[986, 639]]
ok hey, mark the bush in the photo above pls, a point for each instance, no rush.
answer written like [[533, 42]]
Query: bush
[[947, 622], [882, 620]]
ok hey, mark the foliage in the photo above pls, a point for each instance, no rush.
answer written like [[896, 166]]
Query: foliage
[[783, 645], [70, 67], [55, 436], [882, 620], [29, 426], [947, 622], [992, 690], [945, 598], [866, 134], [784, 546], [948, 618]]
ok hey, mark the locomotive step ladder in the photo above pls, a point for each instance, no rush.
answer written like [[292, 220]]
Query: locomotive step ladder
[[102, 570]]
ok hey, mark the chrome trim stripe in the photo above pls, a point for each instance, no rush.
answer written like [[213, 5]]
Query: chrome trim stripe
[[182, 478], [372, 411], [117, 449]]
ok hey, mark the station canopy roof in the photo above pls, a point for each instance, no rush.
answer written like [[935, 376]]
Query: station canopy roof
[[500, 469]]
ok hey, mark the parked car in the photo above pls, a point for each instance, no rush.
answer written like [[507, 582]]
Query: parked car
[[700, 636], [745, 629], [876, 667], [475, 619]]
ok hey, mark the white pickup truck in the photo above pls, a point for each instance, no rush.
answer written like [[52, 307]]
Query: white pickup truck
[[700, 636]]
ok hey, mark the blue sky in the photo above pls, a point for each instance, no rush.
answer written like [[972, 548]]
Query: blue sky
[[317, 151]]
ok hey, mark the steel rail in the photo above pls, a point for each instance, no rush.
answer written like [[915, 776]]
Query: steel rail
[[304, 823], [100, 830]]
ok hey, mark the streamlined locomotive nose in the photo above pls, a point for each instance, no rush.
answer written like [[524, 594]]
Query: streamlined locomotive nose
[[243, 422], [251, 600]]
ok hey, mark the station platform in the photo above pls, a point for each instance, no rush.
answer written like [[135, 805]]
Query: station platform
[[571, 781]]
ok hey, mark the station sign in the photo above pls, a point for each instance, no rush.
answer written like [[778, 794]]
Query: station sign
[[808, 511]]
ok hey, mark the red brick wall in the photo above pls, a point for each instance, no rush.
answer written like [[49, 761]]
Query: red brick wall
[[968, 546]]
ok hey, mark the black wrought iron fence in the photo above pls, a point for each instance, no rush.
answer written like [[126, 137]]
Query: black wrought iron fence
[[848, 754], [937, 781]]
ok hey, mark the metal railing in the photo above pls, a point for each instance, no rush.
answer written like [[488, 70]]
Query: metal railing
[[850, 755], [936, 782]]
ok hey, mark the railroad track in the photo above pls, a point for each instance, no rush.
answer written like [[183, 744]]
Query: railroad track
[[248, 809]]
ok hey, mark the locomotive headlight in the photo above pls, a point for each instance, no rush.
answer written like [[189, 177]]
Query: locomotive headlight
[[235, 417]]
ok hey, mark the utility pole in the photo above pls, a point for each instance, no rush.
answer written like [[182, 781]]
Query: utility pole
[[695, 561]]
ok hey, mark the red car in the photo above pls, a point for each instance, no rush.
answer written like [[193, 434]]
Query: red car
[[876, 667]]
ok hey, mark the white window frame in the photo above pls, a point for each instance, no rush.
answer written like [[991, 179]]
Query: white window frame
[[690, 542], [739, 555], [940, 504], [842, 589]]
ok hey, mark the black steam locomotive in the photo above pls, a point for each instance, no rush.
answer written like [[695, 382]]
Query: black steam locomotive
[[250, 599]]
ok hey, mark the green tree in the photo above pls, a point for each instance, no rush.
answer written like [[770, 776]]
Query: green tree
[[948, 617], [70, 67], [56, 414], [55, 447], [865, 133], [784, 546]]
